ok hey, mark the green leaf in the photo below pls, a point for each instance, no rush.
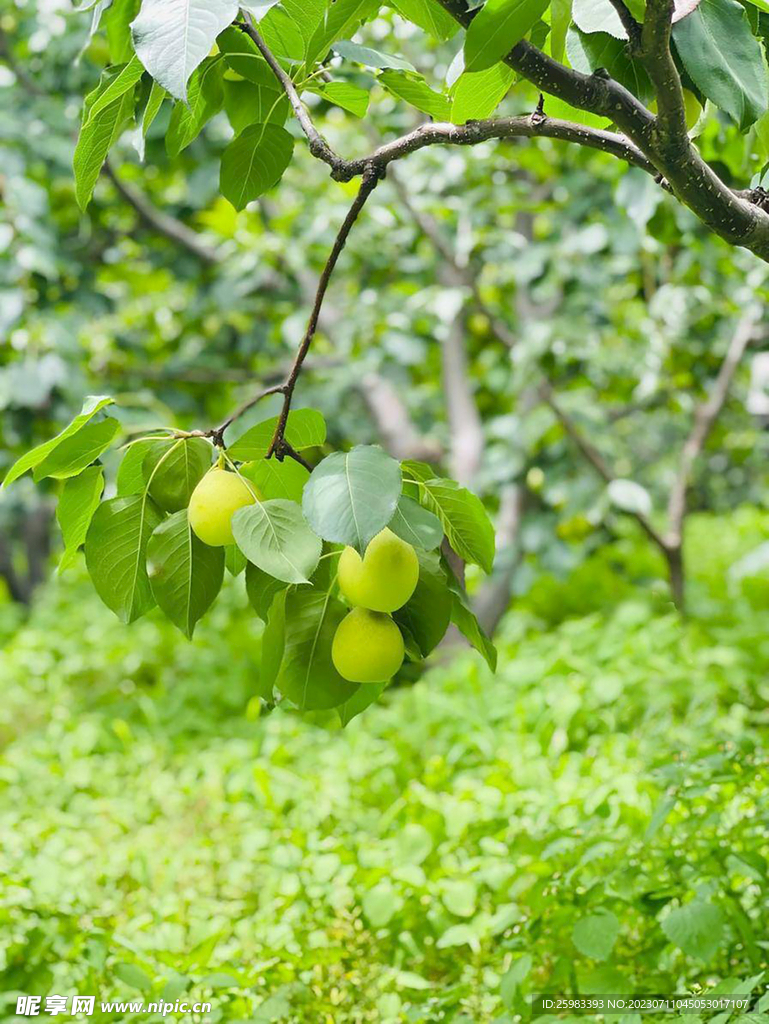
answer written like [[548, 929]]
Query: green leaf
[[414, 90], [465, 521], [416, 525], [478, 94], [78, 501], [351, 496], [115, 553], [277, 479], [427, 613], [598, 16], [560, 18], [595, 935], [497, 27], [151, 111], [339, 20], [696, 928], [261, 589], [74, 453], [283, 35], [185, 574], [359, 701], [370, 58], [259, 7], [599, 50], [130, 474], [514, 978], [307, 676], [92, 405], [344, 95], [205, 96], [724, 59], [132, 975], [254, 162], [172, 37], [305, 428], [247, 104], [275, 536], [273, 645], [234, 560], [121, 80], [173, 468], [464, 619], [241, 55], [381, 904], [428, 15], [96, 138]]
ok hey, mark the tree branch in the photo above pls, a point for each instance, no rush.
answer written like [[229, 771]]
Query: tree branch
[[399, 435], [161, 222], [371, 178], [728, 213], [670, 128], [596, 460], [704, 418]]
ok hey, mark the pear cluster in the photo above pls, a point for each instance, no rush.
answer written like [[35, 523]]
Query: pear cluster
[[368, 646], [213, 503]]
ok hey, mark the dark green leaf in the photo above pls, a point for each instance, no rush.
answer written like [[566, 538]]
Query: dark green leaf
[[247, 104], [275, 536], [427, 613], [416, 525], [261, 589], [724, 59], [305, 428], [74, 453], [351, 496], [254, 162], [307, 676], [234, 560], [115, 553], [497, 27], [273, 645], [92, 405], [78, 501], [172, 38], [241, 55], [185, 574]]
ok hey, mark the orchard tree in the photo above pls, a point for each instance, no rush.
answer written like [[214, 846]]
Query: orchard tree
[[647, 86]]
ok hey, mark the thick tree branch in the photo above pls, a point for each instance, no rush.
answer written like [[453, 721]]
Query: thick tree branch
[[670, 128], [704, 418], [400, 437], [161, 222], [727, 213]]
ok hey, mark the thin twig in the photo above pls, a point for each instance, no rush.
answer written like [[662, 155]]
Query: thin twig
[[371, 178], [705, 417]]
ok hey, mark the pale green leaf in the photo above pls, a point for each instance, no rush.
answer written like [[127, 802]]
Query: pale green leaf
[[274, 535]]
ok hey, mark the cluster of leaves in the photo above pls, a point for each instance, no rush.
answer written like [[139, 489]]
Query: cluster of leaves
[[141, 550], [567, 824], [193, 54]]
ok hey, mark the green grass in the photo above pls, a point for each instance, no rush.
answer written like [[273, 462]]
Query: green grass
[[470, 840]]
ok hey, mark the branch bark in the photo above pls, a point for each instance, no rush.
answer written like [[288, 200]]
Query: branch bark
[[161, 222], [705, 417]]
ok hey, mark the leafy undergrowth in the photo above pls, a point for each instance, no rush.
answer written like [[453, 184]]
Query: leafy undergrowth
[[593, 818]]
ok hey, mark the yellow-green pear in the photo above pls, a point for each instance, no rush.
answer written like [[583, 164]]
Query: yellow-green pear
[[214, 501], [385, 578], [367, 647]]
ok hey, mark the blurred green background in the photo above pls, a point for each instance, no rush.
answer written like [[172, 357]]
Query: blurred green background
[[593, 817]]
